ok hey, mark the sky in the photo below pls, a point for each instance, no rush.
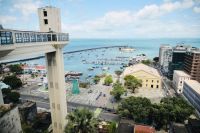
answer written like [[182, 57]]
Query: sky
[[110, 18]]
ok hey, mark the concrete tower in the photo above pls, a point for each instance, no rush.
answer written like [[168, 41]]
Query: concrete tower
[[49, 18]]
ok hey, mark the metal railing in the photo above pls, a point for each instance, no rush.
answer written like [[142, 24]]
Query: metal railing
[[8, 37]]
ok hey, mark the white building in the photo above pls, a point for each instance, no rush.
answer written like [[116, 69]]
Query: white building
[[49, 19], [165, 56], [178, 80], [9, 119], [191, 91]]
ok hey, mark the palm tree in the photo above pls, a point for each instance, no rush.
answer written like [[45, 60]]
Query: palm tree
[[81, 121]]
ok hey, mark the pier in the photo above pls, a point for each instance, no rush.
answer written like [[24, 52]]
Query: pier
[[90, 49]]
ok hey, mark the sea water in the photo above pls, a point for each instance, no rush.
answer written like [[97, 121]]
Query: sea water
[[74, 61]]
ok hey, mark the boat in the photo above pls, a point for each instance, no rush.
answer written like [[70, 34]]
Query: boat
[[72, 73], [126, 49], [105, 68], [91, 69]]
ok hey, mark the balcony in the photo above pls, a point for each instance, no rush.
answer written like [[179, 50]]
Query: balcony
[[15, 43], [10, 37]]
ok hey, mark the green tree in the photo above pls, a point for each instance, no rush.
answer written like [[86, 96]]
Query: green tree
[[14, 97], [27, 128], [132, 82], [16, 68], [81, 121], [169, 110], [96, 79], [156, 59], [117, 91], [112, 128], [13, 81], [118, 73], [108, 80], [136, 108], [11, 96], [146, 62], [1, 68]]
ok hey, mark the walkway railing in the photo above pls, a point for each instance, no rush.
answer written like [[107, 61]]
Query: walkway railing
[[8, 37]]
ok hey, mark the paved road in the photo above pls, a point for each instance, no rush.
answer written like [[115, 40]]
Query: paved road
[[44, 103]]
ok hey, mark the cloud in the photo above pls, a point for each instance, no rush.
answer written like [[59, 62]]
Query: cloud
[[196, 9], [7, 19], [144, 22], [27, 7]]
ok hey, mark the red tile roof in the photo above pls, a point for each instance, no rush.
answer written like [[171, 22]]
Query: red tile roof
[[144, 129]]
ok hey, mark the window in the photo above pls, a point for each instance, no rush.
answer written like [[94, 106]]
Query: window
[[18, 37], [33, 37], [157, 81], [26, 37], [45, 13], [5, 37], [45, 21], [152, 81], [45, 39], [49, 37], [146, 80], [54, 38], [157, 86], [39, 38], [151, 86]]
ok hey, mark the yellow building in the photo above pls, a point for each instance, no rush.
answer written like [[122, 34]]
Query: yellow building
[[150, 76]]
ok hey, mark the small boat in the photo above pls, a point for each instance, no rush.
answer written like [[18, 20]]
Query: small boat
[[105, 68], [91, 68]]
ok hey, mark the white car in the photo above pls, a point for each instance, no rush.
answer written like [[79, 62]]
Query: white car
[[39, 84]]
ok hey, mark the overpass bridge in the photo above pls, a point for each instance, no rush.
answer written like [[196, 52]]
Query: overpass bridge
[[15, 44]]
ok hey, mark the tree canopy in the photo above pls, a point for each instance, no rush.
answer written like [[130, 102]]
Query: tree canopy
[[146, 62], [10, 96], [117, 91], [16, 68], [108, 80], [156, 59], [118, 72], [81, 121], [141, 110], [132, 82], [13, 81], [96, 79]]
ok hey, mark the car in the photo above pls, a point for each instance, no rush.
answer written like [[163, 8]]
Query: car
[[39, 84], [90, 91]]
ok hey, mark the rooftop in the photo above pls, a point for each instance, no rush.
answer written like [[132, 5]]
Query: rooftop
[[181, 73], [195, 85], [139, 67], [144, 129]]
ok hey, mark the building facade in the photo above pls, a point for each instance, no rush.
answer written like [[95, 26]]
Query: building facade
[[150, 76], [191, 91], [9, 119], [178, 80], [165, 56], [178, 58], [192, 63], [49, 19]]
